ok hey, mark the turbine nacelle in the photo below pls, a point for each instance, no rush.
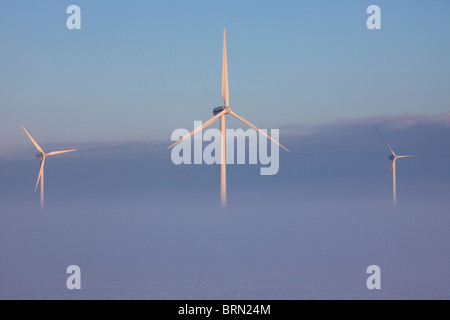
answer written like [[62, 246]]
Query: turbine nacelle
[[392, 158], [40, 155], [218, 110]]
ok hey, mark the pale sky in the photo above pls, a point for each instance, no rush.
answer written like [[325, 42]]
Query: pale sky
[[138, 70]]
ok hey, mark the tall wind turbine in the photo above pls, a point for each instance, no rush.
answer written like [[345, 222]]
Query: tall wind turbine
[[393, 158], [221, 112], [41, 155]]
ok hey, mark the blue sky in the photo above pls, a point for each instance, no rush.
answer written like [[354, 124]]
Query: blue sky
[[141, 227], [138, 70]]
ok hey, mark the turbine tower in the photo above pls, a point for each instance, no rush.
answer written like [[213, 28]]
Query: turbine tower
[[393, 158], [221, 112], [41, 155]]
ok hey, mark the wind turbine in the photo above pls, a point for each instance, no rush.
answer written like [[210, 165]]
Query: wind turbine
[[42, 155], [221, 112], [393, 158]]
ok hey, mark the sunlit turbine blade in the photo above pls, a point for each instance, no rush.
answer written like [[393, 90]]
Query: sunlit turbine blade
[[42, 189], [41, 173], [392, 166], [414, 156], [226, 99], [394, 183], [60, 152], [257, 129], [204, 125], [384, 140], [225, 90], [32, 140]]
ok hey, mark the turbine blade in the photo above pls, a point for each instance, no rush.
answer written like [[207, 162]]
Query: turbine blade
[[392, 166], [414, 156], [225, 90], [384, 140], [204, 125], [41, 173], [257, 129], [32, 140], [60, 152], [42, 189], [394, 183]]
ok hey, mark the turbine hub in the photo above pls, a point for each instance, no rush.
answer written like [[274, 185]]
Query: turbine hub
[[218, 110]]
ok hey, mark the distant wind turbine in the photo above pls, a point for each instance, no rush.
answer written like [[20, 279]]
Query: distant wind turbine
[[393, 158], [220, 112], [42, 155]]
